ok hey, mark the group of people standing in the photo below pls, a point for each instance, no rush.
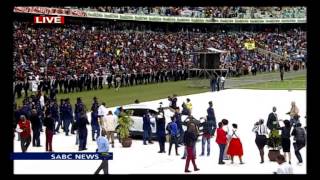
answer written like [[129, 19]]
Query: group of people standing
[[291, 128]]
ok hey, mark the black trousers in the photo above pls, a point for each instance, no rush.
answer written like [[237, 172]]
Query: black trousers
[[173, 139], [297, 147], [25, 142], [103, 166], [162, 140], [36, 137]]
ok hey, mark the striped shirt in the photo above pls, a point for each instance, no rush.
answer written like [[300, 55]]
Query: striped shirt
[[260, 129]]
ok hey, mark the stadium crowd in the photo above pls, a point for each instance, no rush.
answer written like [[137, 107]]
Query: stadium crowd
[[210, 12], [78, 57]]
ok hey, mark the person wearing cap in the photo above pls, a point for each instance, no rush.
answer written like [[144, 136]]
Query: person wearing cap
[[161, 132], [25, 126]]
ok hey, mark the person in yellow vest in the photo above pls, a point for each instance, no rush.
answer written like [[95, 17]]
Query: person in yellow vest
[[189, 105]]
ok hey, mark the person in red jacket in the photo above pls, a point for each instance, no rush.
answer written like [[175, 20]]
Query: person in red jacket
[[221, 141], [25, 134]]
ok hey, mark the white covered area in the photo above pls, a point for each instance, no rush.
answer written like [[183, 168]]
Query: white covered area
[[243, 107]]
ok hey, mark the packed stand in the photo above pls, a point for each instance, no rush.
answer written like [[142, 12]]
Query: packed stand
[[83, 57], [209, 12]]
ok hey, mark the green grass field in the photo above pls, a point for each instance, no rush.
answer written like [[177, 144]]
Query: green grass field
[[128, 95], [297, 83]]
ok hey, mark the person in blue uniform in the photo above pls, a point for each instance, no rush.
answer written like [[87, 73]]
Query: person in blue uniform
[[94, 119], [55, 115], [147, 128], [177, 116], [161, 132], [82, 130], [67, 116], [61, 113], [78, 108]]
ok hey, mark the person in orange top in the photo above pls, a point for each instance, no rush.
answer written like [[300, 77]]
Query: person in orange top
[[25, 132]]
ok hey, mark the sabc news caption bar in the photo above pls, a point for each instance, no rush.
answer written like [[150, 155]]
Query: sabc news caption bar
[[62, 156]]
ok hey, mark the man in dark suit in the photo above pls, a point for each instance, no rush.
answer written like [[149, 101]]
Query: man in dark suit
[[60, 82], [272, 122], [95, 82], [100, 81], [65, 85], [26, 87]]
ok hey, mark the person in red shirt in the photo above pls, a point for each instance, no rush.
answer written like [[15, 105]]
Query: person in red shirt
[[25, 134], [221, 141]]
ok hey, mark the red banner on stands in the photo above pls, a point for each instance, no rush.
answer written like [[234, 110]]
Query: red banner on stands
[[50, 11]]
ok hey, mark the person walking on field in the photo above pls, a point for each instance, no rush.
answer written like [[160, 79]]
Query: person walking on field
[[189, 141], [294, 111], [235, 146], [261, 137], [25, 132], [49, 124], [285, 139], [110, 127], [103, 147], [221, 141], [299, 135]]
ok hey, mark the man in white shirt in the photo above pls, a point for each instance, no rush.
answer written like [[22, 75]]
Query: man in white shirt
[[284, 168], [102, 111]]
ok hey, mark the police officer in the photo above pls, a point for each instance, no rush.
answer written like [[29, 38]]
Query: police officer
[[67, 116], [94, 119]]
